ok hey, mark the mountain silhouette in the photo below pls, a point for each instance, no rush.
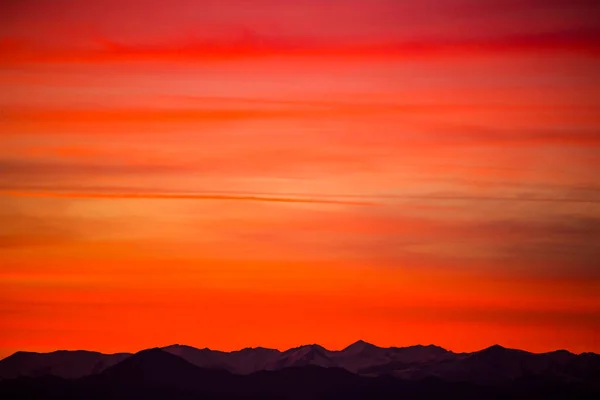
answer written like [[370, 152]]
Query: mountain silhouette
[[62, 363], [204, 358], [313, 354], [243, 361], [156, 367], [361, 370], [359, 347]]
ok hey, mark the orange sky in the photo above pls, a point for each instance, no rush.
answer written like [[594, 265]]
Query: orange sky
[[240, 173]]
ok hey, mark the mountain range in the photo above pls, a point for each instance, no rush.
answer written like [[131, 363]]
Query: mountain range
[[309, 371]]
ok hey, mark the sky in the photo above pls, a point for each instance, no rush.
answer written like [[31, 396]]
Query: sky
[[236, 173]]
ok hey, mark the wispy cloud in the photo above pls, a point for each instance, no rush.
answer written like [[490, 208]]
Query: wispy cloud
[[173, 196]]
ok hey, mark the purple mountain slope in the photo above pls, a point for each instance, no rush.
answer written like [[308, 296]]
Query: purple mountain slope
[[62, 363], [493, 365], [158, 374], [302, 356], [243, 361], [361, 355], [155, 367]]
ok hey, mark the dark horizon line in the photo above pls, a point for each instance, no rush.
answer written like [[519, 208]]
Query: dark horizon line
[[360, 341]]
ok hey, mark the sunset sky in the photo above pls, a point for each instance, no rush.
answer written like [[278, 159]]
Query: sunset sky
[[235, 173]]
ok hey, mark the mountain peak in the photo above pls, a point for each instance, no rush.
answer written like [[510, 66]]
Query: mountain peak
[[498, 349], [307, 347], [177, 346], [255, 349], [149, 363], [561, 351], [150, 350], [360, 345], [361, 342]]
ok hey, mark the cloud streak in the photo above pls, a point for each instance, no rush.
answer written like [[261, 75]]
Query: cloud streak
[[173, 196]]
